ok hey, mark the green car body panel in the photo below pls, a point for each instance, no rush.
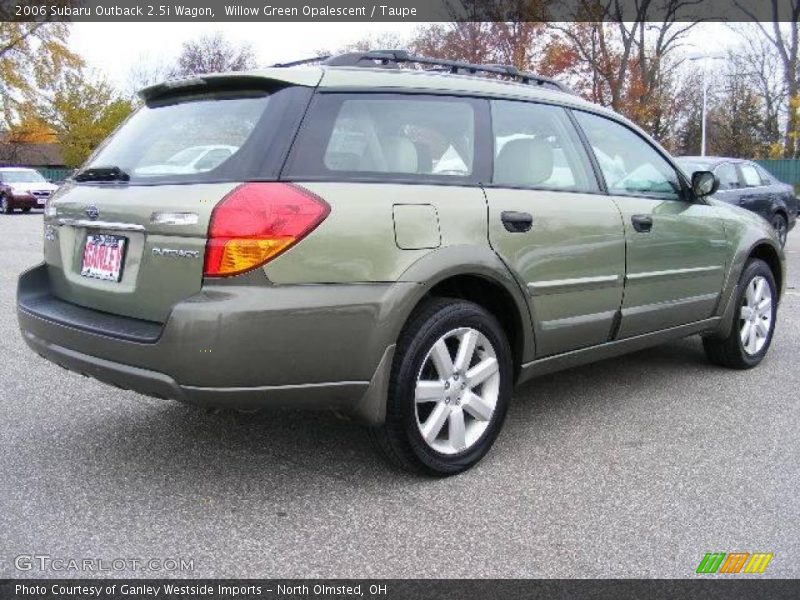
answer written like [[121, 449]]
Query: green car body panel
[[150, 286], [316, 326]]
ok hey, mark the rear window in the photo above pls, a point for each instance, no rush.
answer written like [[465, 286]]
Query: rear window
[[388, 137], [21, 176], [219, 136]]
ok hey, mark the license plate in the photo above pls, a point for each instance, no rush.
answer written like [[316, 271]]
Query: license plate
[[103, 256]]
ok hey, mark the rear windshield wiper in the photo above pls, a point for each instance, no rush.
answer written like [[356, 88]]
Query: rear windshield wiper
[[102, 174]]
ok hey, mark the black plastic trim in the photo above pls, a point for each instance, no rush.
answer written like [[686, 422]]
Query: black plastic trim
[[36, 299]]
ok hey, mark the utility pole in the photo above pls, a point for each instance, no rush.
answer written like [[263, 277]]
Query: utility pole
[[705, 58]]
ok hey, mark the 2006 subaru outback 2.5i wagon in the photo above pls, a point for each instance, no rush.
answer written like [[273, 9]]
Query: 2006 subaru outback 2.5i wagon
[[400, 245]]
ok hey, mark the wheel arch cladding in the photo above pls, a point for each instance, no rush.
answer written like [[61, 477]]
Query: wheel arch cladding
[[495, 299], [769, 255], [479, 276]]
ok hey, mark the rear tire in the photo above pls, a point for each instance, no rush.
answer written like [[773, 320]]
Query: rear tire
[[781, 227], [5, 206], [449, 389], [750, 335]]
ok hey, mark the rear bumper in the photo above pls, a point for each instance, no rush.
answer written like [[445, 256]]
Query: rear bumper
[[248, 347]]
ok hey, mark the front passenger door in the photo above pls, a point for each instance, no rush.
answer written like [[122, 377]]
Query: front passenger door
[[676, 248]]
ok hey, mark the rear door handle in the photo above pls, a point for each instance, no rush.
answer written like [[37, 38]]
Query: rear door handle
[[516, 222], [642, 223]]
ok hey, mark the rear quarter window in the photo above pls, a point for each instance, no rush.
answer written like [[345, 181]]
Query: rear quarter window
[[766, 178], [387, 137], [750, 175]]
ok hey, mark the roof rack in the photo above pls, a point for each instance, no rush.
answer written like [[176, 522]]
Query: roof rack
[[303, 61], [394, 58]]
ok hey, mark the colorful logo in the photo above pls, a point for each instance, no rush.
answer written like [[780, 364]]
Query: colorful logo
[[734, 562]]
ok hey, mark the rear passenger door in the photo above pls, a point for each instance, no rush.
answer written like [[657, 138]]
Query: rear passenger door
[[550, 224], [676, 248], [755, 195]]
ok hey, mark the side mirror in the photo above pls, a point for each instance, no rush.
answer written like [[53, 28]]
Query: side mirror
[[704, 183]]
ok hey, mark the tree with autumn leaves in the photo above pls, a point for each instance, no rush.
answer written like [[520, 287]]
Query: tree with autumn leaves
[[634, 63], [625, 62], [47, 94]]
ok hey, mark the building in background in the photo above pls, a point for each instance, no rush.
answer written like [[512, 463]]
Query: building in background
[[45, 158]]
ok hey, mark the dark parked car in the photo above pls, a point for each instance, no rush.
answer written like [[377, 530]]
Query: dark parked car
[[746, 184]]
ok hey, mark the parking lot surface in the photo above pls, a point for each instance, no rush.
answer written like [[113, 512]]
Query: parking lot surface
[[632, 467]]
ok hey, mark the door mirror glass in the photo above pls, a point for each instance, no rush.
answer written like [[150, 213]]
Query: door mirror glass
[[704, 183]]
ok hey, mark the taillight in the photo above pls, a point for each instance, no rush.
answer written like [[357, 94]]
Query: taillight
[[256, 222]]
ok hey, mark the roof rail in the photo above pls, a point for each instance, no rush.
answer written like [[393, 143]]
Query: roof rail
[[393, 58], [303, 61]]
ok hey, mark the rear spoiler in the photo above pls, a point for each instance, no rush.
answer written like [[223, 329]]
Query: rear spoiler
[[258, 80]]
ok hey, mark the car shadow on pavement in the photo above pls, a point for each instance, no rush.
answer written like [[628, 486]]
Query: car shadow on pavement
[[221, 450]]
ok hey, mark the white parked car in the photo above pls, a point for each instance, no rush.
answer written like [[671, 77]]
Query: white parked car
[[196, 159]]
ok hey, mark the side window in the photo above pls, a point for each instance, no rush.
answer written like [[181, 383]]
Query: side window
[[630, 165], [766, 178], [728, 178], [750, 175], [380, 134], [536, 145]]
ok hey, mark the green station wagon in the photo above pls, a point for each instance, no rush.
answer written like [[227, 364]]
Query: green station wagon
[[399, 245]]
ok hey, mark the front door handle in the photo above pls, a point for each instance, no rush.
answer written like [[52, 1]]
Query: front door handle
[[642, 223], [516, 222]]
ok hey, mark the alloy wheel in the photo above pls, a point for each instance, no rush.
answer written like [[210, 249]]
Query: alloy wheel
[[457, 390], [756, 315]]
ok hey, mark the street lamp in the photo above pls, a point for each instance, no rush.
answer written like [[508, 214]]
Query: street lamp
[[705, 58]]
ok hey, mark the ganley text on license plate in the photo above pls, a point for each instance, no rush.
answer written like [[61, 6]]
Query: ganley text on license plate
[[103, 256]]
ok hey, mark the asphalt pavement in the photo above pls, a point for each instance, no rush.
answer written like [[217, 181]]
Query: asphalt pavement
[[631, 467]]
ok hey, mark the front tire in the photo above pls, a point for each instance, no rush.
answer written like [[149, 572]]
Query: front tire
[[449, 390], [5, 206], [750, 336]]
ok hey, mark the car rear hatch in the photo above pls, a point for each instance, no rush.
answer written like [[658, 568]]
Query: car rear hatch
[[128, 235]]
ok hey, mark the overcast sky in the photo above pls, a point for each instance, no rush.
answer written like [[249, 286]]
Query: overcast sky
[[113, 48]]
